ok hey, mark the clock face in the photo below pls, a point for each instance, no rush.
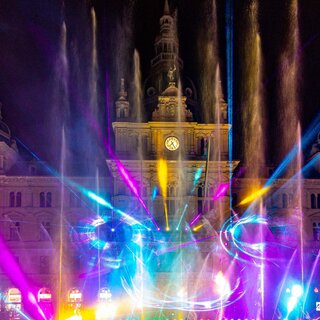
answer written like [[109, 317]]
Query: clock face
[[172, 143]]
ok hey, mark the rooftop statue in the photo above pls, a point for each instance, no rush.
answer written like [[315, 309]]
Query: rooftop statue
[[171, 72]]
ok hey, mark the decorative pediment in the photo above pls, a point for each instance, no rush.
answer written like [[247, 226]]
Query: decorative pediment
[[172, 106]]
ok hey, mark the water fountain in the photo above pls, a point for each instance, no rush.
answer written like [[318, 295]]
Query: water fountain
[[167, 244]]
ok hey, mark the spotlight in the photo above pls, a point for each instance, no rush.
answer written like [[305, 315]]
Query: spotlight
[[291, 304], [296, 291], [106, 311], [316, 290]]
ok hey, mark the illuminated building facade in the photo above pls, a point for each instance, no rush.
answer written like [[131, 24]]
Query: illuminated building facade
[[179, 168]]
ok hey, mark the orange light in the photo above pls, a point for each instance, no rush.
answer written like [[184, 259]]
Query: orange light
[[255, 195], [198, 227], [162, 167]]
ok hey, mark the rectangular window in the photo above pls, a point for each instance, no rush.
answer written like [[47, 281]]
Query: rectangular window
[[15, 231], [18, 199], [1, 162], [45, 231], [42, 199], [49, 200], [11, 199]]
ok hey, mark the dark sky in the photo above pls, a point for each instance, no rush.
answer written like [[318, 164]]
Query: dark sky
[[29, 41]]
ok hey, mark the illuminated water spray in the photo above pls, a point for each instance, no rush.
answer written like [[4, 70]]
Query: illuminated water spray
[[288, 86], [253, 144], [60, 108], [252, 99], [61, 284], [208, 50], [93, 83], [137, 92], [216, 143], [299, 216]]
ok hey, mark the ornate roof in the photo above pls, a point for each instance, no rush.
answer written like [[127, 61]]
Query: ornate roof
[[172, 106], [5, 133]]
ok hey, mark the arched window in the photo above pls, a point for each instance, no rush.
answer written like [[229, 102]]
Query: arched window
[[15, 199], [11, 199], [42, 199], [318, 201], [284, 200], [45, 199], [313, 201], [49, 199]]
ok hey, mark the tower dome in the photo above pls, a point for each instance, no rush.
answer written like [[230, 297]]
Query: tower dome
[[8, 147], [5, 133]]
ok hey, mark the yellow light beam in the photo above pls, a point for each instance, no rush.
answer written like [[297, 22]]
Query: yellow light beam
[[253, 196], [198, 227], [162, 167]]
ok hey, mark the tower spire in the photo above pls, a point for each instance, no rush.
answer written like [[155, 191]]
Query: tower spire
[[166, 50], [122, 104], [122, 92], [166, 10]]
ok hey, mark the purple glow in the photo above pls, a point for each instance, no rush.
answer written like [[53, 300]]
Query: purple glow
[[10, 266], [221, 191], [133, 188], [194, 220], [130, 183]]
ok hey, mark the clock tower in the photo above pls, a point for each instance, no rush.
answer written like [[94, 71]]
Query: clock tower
[[196, 154]]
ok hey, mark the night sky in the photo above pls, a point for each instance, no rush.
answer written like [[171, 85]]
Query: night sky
[[29, 38]]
